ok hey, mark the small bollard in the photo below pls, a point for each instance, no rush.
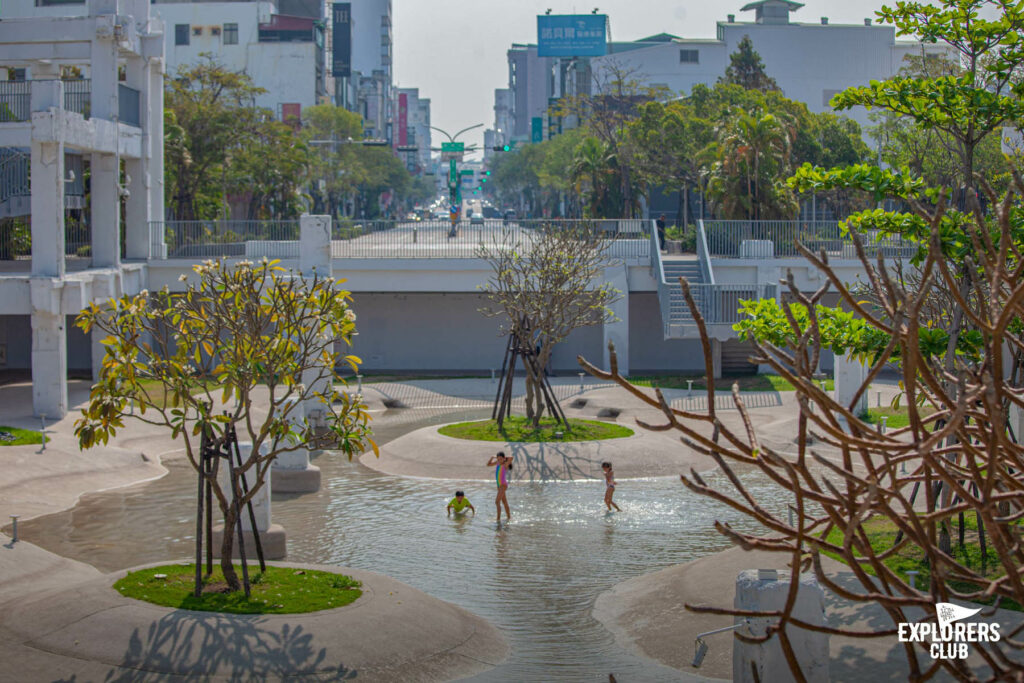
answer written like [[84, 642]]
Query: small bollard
[[879, 399], [885, 419], [581, 374], [14, 528], [414, 235], [359, 384], [903, 467], [689, 388], [913, 578], [42, 430], [492, 376], [791, 517]]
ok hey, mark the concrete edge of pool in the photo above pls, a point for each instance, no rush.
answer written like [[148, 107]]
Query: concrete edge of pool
[[392, 632], [425, 453]]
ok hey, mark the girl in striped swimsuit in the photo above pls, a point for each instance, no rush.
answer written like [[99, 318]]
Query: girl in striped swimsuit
[[502, 465]]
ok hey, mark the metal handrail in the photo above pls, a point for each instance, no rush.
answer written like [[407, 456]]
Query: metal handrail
[[703, 255]]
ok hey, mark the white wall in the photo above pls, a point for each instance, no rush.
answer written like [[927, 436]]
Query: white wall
[[649, 351]]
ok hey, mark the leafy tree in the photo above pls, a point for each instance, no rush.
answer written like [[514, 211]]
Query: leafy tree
[[545, 286], [755, 156], [334, 171], [212, 108], [747, 70], [270, 171], [238, 337]]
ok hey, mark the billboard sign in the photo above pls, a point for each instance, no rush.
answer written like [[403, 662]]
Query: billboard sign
[[341, 54], [571, 35]]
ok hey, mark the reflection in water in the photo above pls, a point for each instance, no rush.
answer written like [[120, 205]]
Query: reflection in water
[[536, 577]]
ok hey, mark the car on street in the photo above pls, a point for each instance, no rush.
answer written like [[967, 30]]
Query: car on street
[[476, 219]]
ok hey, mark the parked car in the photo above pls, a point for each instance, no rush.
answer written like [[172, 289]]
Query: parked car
[[476, 219]]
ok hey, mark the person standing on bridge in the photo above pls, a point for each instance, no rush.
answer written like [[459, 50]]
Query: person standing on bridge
[[661, 231]]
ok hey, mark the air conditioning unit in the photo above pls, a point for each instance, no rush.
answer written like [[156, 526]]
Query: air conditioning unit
[[197, 30], [215, 30]]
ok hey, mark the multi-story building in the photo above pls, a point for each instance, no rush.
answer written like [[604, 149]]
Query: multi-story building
[[412, 129], [282, 54], [70, 113], [372, 80], [811, 62]]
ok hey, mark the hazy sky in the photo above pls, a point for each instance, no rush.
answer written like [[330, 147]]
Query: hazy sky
[[454, 51]]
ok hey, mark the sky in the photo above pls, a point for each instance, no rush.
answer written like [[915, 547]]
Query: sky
[[454, 51]]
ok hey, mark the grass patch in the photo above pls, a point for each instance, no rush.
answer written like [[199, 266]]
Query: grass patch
[[746, 382], [281, 590], [897, 417], [520, 429], [374, 379], [13, 436], [881, 534]]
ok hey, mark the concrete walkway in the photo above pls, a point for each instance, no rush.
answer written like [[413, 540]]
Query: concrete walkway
[[647, 614]]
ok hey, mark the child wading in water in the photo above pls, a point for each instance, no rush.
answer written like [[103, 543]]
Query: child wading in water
[[459, 503], [609, 491], [502, 465]]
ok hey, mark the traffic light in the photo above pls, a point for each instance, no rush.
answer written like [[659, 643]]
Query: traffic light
[[483, 180], [502, 148], [487, 173]]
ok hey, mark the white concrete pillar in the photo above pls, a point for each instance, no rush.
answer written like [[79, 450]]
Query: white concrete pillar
[[137, 203], [106, 211], [849, 376], [618, 332], [49, 350], [103, 62], [315, 253], [47, 209], [272, 536], [756, 592], [155, 161], [96, 338], [292, 471]]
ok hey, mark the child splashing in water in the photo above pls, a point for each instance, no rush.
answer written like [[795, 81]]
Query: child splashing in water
[[502, 465], [609, 491]]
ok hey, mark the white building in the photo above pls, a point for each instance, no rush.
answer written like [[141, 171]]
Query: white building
[[811, 62], [113, 127], [372, 66], [282, 54]]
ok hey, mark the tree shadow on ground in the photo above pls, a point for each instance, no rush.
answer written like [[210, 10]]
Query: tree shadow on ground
[[555, 461], [200, 646]]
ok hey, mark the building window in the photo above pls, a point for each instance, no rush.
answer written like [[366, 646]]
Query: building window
[[181, 34], [197, 30], [689, 56], [231, 34]]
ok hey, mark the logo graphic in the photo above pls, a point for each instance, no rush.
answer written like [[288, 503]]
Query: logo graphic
[[949, 638], [947, 613]]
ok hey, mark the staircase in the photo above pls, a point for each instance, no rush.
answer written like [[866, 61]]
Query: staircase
[[675, 268]]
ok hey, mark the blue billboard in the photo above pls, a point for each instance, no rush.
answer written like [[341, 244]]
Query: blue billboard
[[571, 35]]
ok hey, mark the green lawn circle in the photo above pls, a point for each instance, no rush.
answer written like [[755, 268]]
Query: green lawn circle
[[281, 590], [22, 437], [519, 429]]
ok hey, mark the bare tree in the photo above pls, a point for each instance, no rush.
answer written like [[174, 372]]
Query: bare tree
[[547, 283], [845, 474]]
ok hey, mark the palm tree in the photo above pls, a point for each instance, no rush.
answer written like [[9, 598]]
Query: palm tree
[[591, 165], [747, 180]]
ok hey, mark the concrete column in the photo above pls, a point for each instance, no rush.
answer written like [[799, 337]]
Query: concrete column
[[291, 471], [103, 62], [96, 338], [849, 376], [137, 203], [49, 350], [763, 592], [272, 536], [106, 211], [47, 209], [155, 161], [315, 253], [618, 332]]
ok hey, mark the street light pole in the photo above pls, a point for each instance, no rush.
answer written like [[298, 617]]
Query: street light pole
[[454, 179]]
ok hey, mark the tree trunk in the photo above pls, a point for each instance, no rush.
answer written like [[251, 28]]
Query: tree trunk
[[227, 547]]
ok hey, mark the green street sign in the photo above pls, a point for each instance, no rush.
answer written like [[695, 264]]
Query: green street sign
[[452, 174], [453, 147], [466, 172]]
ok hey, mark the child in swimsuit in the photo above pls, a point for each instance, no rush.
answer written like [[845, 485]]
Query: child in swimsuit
[[459, 503], [502, 465], [609, 490]]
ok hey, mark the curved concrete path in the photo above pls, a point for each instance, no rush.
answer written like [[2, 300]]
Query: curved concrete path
[[393, 632], [647, 615]]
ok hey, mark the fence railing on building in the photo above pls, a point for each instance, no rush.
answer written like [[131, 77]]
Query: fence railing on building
[[778, 239]]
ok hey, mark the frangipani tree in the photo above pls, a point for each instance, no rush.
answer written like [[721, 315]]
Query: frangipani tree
[[244, 346]]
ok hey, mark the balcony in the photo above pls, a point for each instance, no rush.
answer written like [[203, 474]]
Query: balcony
[[16, 101]]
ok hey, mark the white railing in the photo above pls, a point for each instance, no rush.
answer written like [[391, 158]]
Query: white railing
[[778, 239]]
